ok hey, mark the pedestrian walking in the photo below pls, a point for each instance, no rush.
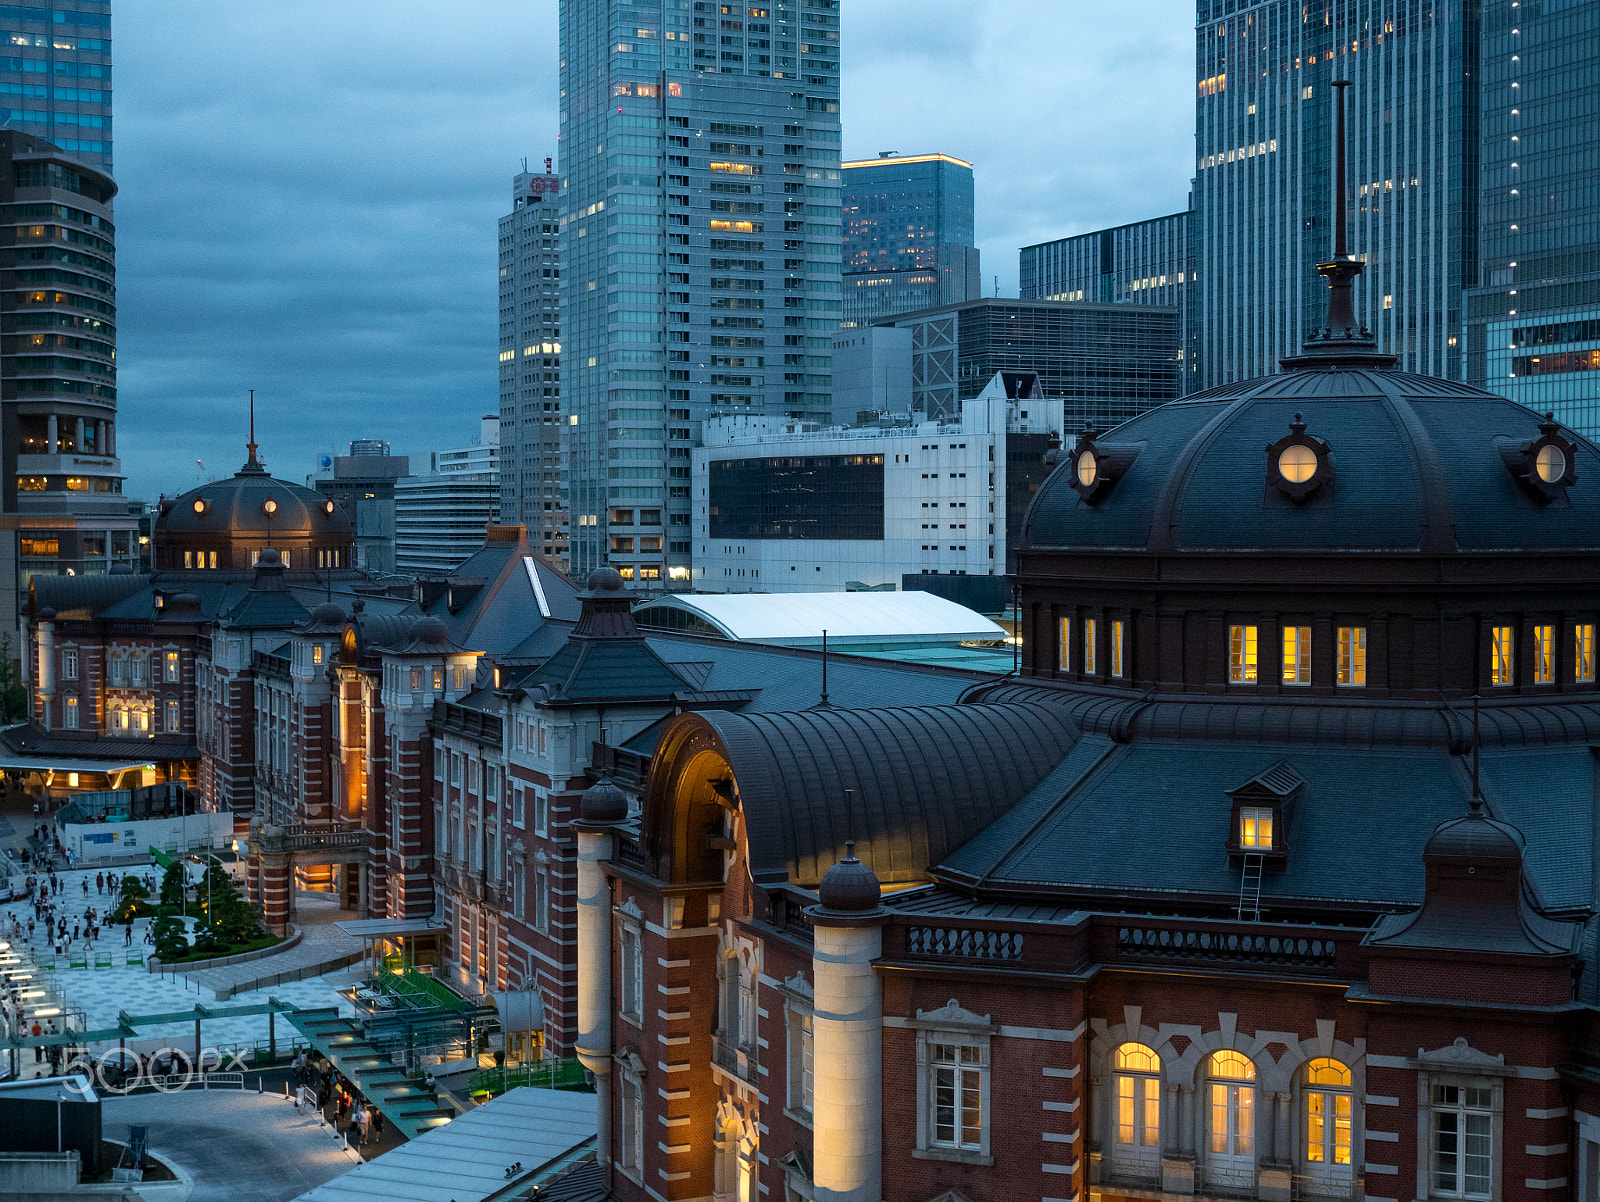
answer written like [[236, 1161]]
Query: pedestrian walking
[[127, 938], [99, 882], [86, 886], [377, 1125], [38, 1050], [358, 1123]]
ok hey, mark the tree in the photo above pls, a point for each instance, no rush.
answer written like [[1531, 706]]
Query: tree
[[170, 942], [172, 885], [129, 903]]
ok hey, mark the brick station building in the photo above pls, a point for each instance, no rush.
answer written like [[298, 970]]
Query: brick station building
[[1238, 890]]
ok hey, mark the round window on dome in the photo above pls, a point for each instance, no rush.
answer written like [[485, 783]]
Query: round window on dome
[[269, 507], [1297, 463], [327, 508], [199, 506], [1088, 469], [1551, 463]]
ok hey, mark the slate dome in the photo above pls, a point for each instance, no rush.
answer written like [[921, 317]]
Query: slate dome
[[603, 802], [1411, 463]]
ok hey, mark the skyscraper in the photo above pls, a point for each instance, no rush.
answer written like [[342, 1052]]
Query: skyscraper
[[530, 363], [1262, 132], [55, 75], [1533, 321], [908, 236], [699, 249]]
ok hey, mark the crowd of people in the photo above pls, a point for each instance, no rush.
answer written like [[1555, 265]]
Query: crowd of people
[[360, 1121]]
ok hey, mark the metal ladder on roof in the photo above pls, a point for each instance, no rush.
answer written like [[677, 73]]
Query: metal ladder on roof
[[1250, 887]]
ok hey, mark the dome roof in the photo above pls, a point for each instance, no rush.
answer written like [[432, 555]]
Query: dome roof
[[603, 802], [1402, 462], [430, 630], [849, 887], [1475, 837], [252, 503], [328, 613]]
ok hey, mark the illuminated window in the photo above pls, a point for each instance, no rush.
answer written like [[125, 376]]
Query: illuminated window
[[1089, 625], [956, 1088], [69, 663], [1583, 652], [170, 667], [1463, 1140], [174, 716], [1064, 646], [1255, 828], [1233, 1104], [213, 558], [70, 720], [1544, 654], [416, 678], [1502, 647], [1242, 654], [1353, 656], [1138, 1074], [188, 559], [1328, 1113], [316, 654], [1116, 647], [1297, 655], [438, 678]]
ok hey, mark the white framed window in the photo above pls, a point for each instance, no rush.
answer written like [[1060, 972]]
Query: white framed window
[[1461, 1146], [1583, 652], [1255, 828], [1544, 654], [1297, 655], [541, 897], [1243, 655], [631, 1137], [174, 716], [801, 1058], [518, 801], [519, 887], [1329, 1122], [541, 812], [1090, 629], [438, 680], [1352, 657], [1502, 656], [440, 756], [461, 679], [1118, 629], [70, 715], [455, 768], [1231, 1119], [172, 666], [1064, 646], [138, 675], [953, 1084], [1138, 1082], [69, 663], [630, 941]]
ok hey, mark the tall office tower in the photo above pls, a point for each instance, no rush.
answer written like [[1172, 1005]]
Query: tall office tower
[[55, 75], [1263, 140], [530, 363], [1144, 263], [908, 237], [1533, 324], [699, 249], [61, 503]]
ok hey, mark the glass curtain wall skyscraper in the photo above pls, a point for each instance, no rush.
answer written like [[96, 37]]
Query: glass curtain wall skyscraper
[[55, 75], [908, 236], [699, 249], [1261, 193], [530, 363]]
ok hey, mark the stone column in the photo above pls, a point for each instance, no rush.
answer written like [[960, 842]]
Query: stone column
[[594, 971], [848, 1041], [275, 891], [47, 669], [51, 445], [78, 432]]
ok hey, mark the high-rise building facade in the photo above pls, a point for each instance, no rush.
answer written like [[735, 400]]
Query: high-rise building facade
[[1264, 156], [1104, 363], [530, 363], [699, 248], [55, 75], [908, 236], [1533, 322], [1145, 263]]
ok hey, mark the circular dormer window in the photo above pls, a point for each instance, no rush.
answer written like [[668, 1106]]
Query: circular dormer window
[[269, 507], [1297, 463], [327, 508], [199, 506], [1088, 469], [1551, 463]]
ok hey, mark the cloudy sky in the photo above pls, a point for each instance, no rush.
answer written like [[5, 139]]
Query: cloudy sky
[[309, 190]]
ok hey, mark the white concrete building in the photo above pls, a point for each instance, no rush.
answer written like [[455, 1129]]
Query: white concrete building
[[787, 507]]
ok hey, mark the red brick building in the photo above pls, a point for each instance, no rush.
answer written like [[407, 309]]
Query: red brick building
[[1239, 890]]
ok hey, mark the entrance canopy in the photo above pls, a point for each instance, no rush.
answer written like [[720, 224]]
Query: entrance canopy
[[387, 928], [55, 763]]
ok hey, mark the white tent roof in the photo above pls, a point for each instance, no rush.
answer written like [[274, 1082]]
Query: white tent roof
[[798, 619], [466, 1159]]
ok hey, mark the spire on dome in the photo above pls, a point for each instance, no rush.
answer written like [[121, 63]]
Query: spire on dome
[[1342, 341], [252, 465]]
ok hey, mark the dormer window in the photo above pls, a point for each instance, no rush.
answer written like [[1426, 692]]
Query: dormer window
[[1255, 828], [316, 654], [1096, 467], [1298, 464], [1545, 465], [1502, 648]]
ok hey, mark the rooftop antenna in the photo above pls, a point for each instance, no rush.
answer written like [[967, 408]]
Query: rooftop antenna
[[251, 445], [849, 824], [824, 700], [524, 164], [1016, 630]]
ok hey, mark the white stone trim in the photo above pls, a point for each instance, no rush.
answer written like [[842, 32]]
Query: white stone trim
[[1383, 1137], [1545, 1183], [1559, 1112], [1047, 1033], [1388, 1169], [1545, 1149]]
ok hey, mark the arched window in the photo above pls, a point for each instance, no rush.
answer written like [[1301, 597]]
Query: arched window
[[1329, 1113], [1138, 1077], [1232, 1094]]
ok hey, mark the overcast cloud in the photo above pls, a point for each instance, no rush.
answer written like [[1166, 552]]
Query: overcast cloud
[[309, 191]]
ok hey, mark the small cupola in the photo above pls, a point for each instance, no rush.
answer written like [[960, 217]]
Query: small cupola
[[849, 889]]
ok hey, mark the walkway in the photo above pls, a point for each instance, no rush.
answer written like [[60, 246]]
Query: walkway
[[322, 948], [238, 1147]]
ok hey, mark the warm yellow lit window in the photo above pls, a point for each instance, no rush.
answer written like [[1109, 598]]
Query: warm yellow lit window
[[1089, 632], [1297, 655], [1233, 1103], [1328, 1112], [733, 227], [1064, 647], [1138, 1073], [733, 168], [1583, 652], [1242, 654], [1544, 654], [1255, 828], [316, 654], [1502, 647], [1117, 628], [1353, 656]]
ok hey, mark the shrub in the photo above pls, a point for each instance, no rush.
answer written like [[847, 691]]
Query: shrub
[[170, 942]]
